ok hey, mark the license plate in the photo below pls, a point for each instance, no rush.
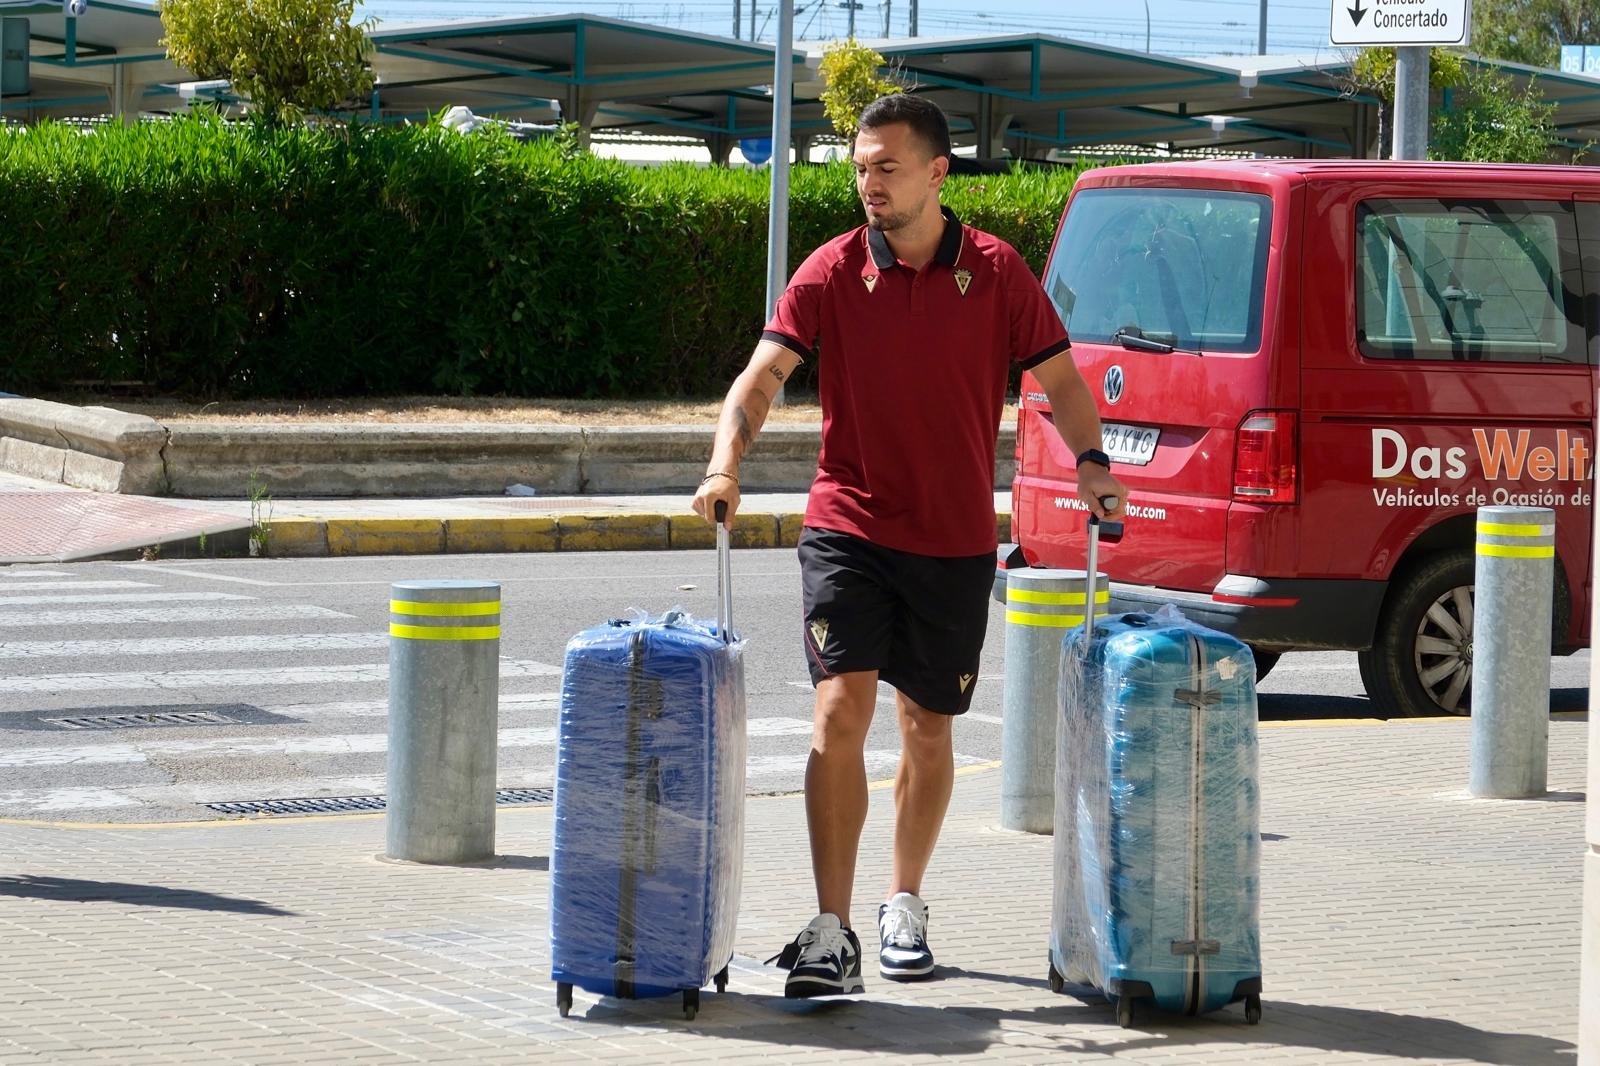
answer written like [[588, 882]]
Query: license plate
[[1129, 444]]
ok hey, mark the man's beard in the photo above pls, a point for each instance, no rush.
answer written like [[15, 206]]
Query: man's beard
[[889, 222]]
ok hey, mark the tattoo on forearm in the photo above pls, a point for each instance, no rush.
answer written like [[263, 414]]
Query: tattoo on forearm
[[741, 425], [776, 372]]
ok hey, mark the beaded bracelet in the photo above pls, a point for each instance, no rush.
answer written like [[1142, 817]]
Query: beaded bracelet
[[719, 473]]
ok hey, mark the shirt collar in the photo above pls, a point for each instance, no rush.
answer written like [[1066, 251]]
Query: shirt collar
[[948, 253]]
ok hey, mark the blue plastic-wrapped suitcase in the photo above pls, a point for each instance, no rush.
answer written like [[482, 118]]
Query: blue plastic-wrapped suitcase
[[1157, 823], [649, 810]]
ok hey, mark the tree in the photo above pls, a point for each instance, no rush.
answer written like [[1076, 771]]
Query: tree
[[850, 74], [1533, 31], [287, 57], [1372, 74], [1489, 122]]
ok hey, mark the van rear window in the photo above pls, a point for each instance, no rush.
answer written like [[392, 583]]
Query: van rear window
[[1185, 267], [1469, 280]]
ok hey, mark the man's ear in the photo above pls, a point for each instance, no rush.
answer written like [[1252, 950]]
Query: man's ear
[[941, 170]]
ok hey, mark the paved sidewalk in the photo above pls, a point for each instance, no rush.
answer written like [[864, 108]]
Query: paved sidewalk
[[1401, 923]]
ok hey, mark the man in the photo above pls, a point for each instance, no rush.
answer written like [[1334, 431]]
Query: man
[[920, 320]]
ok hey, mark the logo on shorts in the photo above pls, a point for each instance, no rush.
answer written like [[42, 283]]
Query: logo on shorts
[[966, 680], [963, 279], [819, 632], [871, 281]]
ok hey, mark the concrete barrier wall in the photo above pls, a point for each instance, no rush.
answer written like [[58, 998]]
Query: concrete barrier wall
[[111, 451]]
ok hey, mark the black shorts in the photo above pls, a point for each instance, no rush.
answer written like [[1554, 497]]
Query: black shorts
[[918, 620]]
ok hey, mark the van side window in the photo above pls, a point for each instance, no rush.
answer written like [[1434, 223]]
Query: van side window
[[1468, 281]]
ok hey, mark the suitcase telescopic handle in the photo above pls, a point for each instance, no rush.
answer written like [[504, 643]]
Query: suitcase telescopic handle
[[724, 574], [1112, 532]]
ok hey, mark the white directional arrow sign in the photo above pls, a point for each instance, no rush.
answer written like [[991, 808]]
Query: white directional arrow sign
[[1399, 22]]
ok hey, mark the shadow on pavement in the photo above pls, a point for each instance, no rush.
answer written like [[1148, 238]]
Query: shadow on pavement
[[72, 890], [1305, 706], [1569, 699], [1311, 707], [914, 1029]]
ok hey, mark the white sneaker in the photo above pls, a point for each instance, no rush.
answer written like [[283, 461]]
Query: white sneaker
[[824, 960], [903, 953]]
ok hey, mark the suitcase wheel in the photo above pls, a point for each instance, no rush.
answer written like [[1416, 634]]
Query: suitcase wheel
[[1057, 983], [1125, 1011], [1252, 1010], [563, 998], [691, 1003], [722, 980]]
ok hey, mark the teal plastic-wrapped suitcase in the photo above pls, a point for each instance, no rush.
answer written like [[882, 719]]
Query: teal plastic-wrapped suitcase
[[1157, 816]]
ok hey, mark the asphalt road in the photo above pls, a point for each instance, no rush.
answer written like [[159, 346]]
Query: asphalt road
[[291, 655]]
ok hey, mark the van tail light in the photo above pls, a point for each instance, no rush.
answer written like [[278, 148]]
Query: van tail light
[[1266, 458]]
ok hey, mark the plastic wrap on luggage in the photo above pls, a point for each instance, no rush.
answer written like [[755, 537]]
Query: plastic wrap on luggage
[[649, 812], [1157, 837]]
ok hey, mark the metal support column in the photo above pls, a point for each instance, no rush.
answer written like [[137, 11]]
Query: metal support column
[[1511, 652], [778, 203], [1041, 607], [444, 706], [1589, 980], [1411, 102]]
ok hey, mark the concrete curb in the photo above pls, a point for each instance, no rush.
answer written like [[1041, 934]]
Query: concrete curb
[[317, 537], [110, 451], [86, 447]]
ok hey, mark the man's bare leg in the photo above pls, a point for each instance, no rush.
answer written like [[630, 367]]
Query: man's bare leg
[[836, 785], [921, 790]]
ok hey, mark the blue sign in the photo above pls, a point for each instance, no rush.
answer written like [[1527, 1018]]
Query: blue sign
[[756, 150], [1580, 59]]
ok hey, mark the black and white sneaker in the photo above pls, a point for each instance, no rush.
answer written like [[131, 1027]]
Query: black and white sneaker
[[903, 953], [824, 960]]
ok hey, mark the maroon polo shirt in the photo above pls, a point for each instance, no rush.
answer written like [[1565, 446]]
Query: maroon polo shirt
[[912, 368]]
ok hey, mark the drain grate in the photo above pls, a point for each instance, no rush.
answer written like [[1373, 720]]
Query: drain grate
[[140, 720], [505, 797]]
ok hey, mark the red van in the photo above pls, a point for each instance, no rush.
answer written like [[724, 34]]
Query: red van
[[1312, 373]]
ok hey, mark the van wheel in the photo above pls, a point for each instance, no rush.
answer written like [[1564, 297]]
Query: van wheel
[[1265, 661], [1420, 662]]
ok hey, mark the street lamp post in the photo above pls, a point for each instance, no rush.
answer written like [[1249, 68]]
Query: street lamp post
[[778, 204]]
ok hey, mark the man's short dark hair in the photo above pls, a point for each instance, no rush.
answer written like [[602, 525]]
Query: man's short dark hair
[[926, 120]]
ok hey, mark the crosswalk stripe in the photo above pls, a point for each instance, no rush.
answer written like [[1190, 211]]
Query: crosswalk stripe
[[80, 798], [338, 744], [34, 585], [114, 616], [310, 712], [881, 763], [123, 597], [65, 649], [358, 674], [147, 568], [6, 573]]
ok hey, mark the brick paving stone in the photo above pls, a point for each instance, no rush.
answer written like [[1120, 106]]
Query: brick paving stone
[[1401, 923]]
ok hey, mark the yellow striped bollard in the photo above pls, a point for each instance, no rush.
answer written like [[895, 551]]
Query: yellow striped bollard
[[1041, 606], [1510, 649], [444, 706]]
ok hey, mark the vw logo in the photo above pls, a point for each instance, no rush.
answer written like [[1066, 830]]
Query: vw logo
[[1112, 386]]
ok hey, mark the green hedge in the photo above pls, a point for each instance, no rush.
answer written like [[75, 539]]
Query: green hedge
[[243, 261]]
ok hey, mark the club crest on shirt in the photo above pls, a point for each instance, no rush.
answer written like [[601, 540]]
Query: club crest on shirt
[[870, 280], [963, 279], [819, 632]]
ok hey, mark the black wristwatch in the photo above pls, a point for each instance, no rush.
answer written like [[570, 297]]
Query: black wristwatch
[[1094, 455]]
